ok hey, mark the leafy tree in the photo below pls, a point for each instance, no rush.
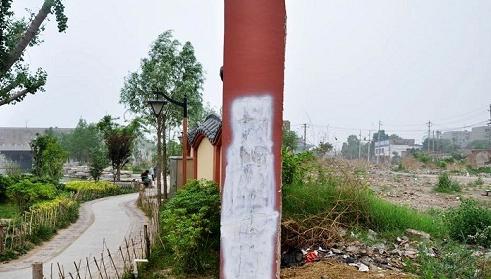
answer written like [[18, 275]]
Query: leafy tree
[[441, 145], [350, 147], [120, 141], [171, 69], [48, 157], [82, 140], [16, 80], [98, 161], [290, 139], [323, 148]]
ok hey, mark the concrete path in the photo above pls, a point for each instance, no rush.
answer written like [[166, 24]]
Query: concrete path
[[109, 219]]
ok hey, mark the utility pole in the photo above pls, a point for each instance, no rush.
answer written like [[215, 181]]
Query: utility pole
[[429, 133], [304, 136], [433, 141], [377, 154], [359, 147], [489, 126], [369, 141]]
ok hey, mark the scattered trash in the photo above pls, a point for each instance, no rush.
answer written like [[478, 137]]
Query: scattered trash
[[361, 267], [312, 256]]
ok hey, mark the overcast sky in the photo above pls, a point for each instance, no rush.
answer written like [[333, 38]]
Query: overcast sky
[[349, 64]]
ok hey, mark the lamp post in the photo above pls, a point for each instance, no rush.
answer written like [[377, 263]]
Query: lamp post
[[157, 106], [184, 105]]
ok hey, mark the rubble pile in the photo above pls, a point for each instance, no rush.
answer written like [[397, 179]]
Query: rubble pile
[[381, 255], [82, 172]]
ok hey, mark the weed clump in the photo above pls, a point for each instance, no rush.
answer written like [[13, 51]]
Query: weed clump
[[470, 223], [446, 185]]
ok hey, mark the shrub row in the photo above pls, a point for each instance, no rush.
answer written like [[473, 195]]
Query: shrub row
[[90, 190]]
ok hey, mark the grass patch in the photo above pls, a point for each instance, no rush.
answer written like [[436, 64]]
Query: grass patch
[[355, 205], [446, 185], [453, 260], [8, 210]]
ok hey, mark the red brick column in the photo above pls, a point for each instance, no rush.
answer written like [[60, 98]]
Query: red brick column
[[252, 120]]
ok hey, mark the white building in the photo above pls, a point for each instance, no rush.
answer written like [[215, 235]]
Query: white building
[[459, 138], [389, 148]]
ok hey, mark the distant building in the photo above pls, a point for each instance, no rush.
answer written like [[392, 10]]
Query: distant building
[[15, 148], [480, 133], [459, 138], [389, 148]]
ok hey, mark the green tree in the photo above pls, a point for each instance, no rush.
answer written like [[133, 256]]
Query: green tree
[[172, 69], [290, 139], [119, 141], [350, 147], [16, 80], [48, 156], [82, 140], [322, 149], [98, 161]]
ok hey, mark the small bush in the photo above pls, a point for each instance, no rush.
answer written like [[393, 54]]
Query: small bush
[[446, 185], [25, 193], [190, 227], [295, 166], [470, 223], [5, 182]]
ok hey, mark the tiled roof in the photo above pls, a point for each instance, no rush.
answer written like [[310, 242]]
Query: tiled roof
[[19, 139], [210, 128]]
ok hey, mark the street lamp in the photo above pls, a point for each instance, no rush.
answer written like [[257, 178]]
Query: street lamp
[[157, 106]]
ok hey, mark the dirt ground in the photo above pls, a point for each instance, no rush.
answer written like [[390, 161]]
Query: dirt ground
[[416, 190], [334, 270]]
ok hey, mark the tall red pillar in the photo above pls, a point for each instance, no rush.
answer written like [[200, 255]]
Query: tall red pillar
[[253, 74]]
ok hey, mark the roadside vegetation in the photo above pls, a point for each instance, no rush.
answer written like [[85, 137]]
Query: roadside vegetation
[[34, 206], [323, 199], [189, 233]]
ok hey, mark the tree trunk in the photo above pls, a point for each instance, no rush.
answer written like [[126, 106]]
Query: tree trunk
[[159, 159], [164, 159], [118, 173], [27, 37]]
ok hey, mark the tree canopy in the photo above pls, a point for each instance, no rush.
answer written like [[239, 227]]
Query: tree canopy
[[171, 69], [119, 141], [17, 34]]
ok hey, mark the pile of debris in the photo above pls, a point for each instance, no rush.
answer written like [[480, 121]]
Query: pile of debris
[[83, 172], [382, 255]]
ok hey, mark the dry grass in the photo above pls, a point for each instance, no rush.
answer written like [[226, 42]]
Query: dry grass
[[335, 270]]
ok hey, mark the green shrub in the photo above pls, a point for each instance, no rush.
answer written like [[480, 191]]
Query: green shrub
[[446, 185], [190, 227], [295, 166], [470, 223], [89, 190], [5, 182], [48, 156], [25, 193]]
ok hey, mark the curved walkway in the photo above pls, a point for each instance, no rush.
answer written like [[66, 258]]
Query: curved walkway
[[109, 219]]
